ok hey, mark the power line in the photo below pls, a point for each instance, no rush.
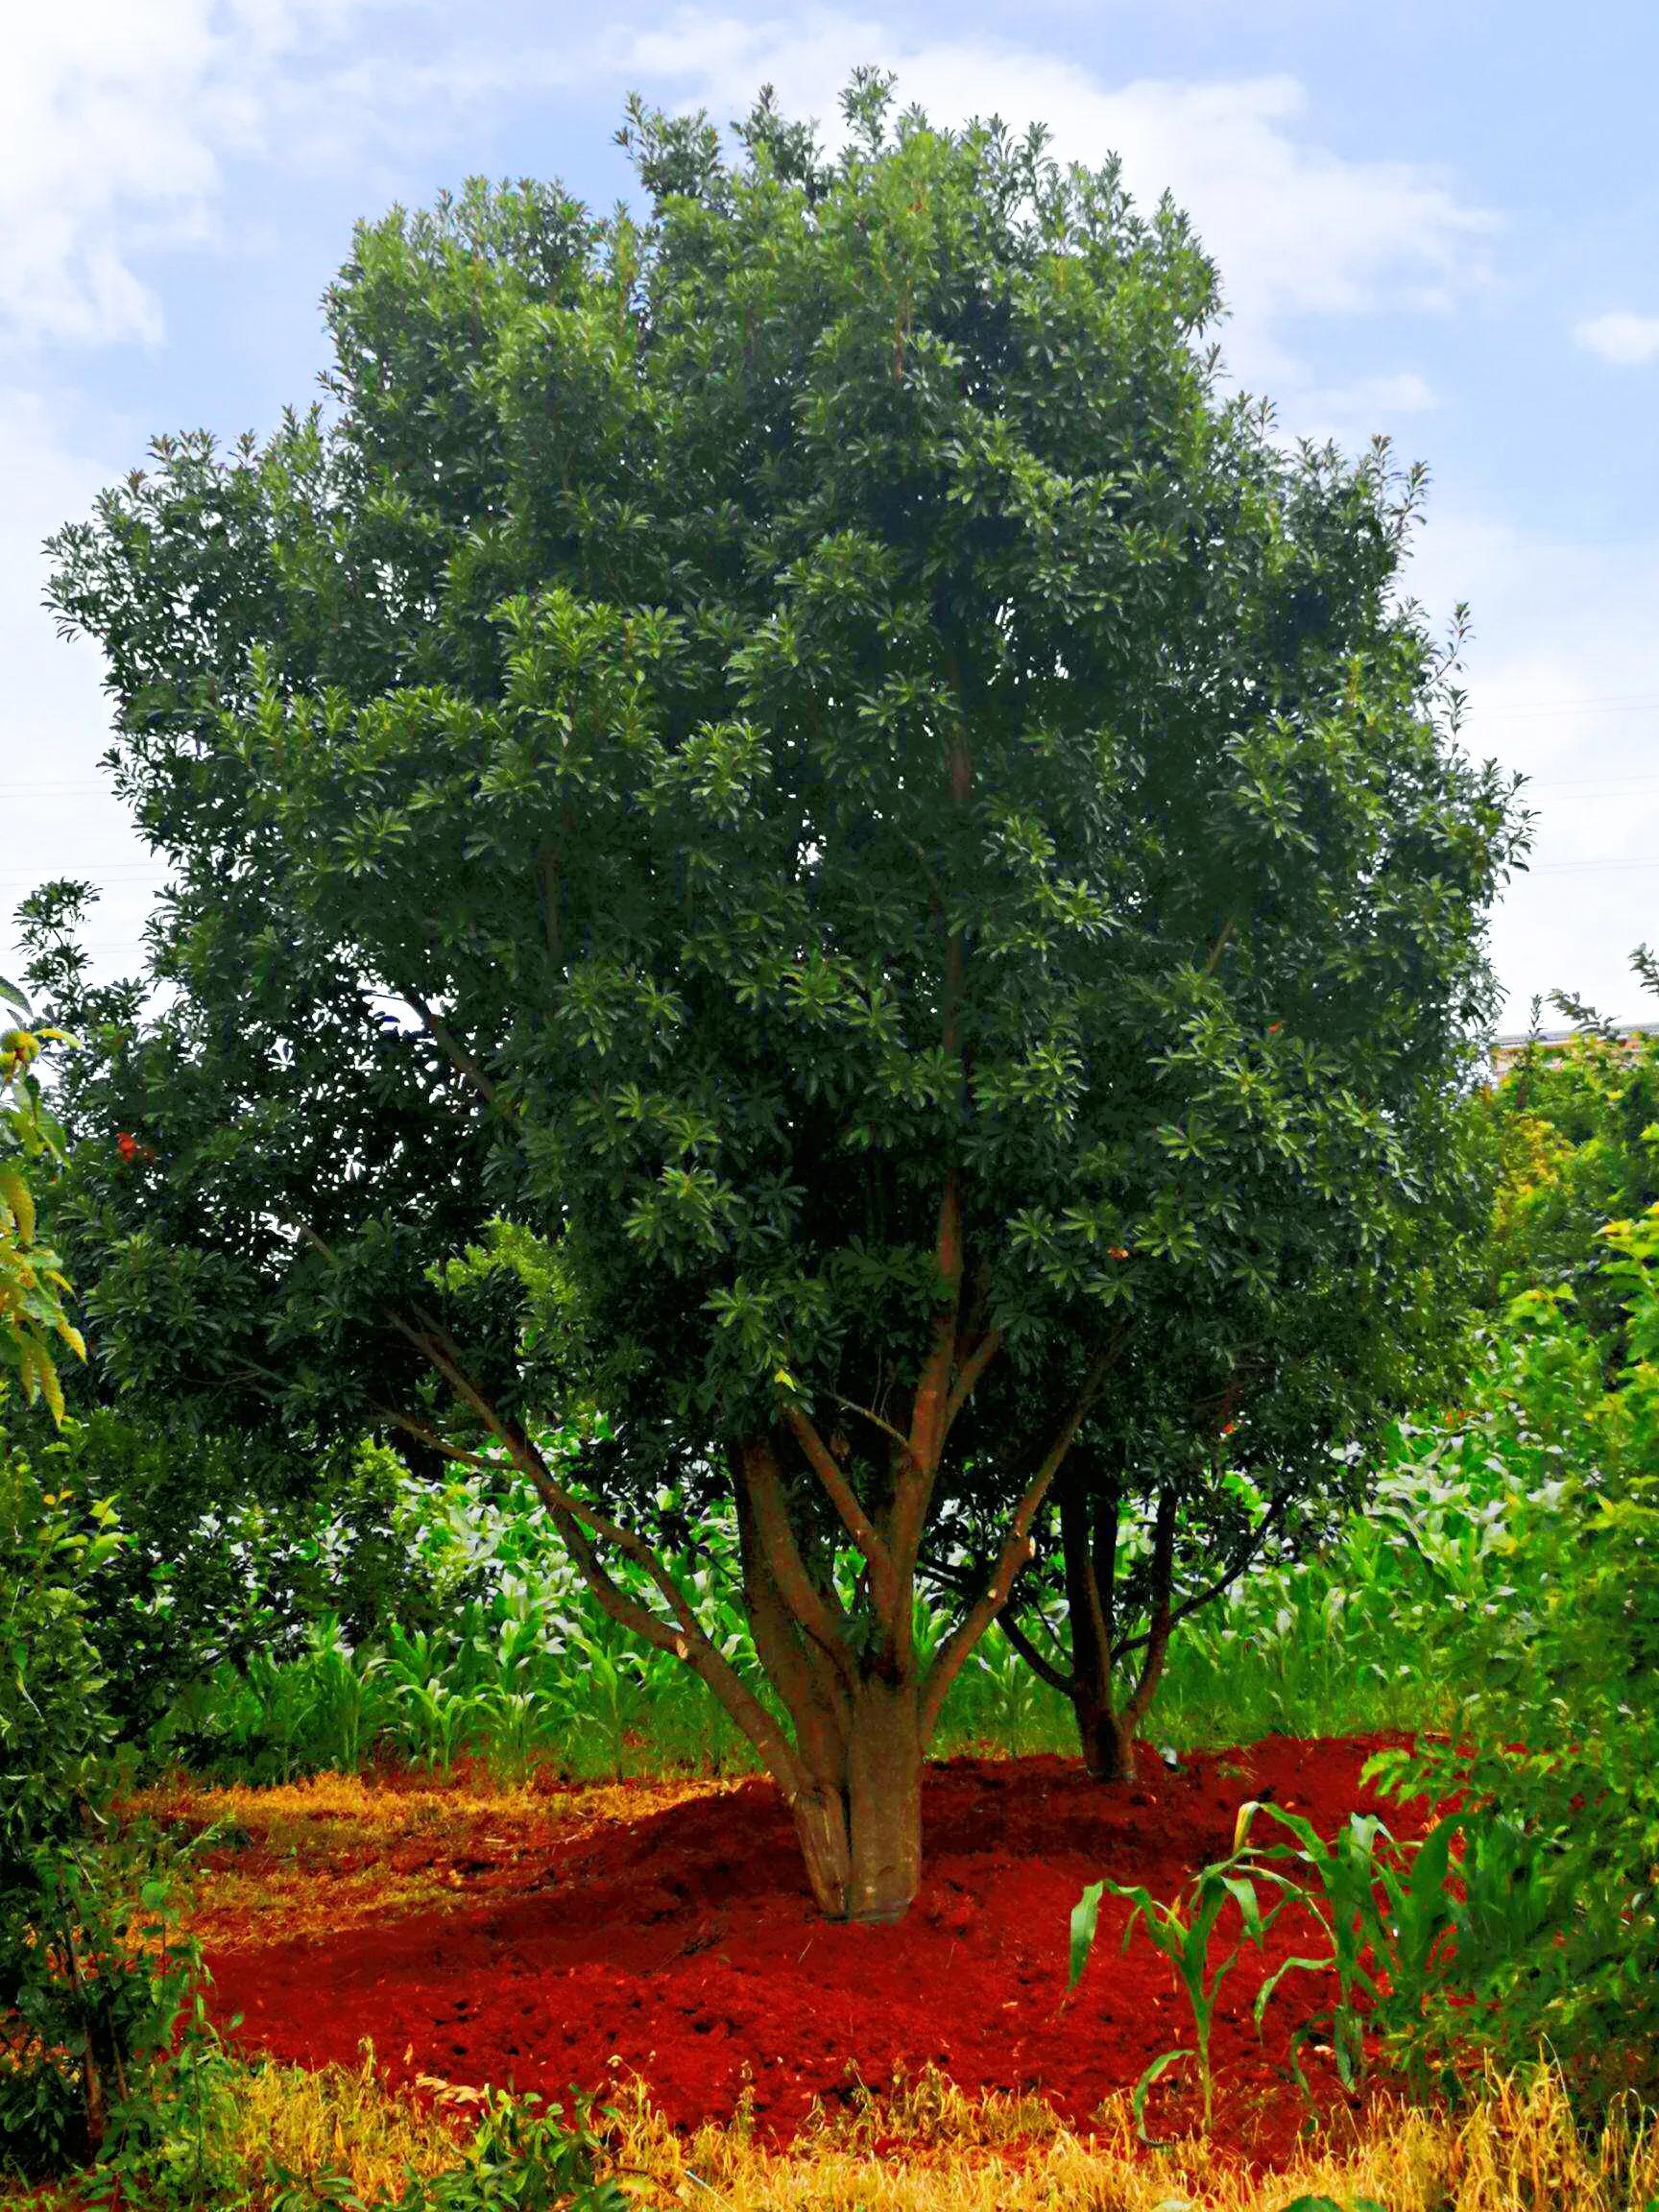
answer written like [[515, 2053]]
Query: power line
[[1613, 704], [1562, 867]]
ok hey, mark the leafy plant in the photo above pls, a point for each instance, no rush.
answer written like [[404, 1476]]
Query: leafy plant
[[1185, 1931], [1556, 1747], [1386, 1913], [33, 1289], [522, 2155], [92, 1966]]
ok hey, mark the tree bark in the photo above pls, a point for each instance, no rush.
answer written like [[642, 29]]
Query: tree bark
[[861, 1828], [1107, 1737]]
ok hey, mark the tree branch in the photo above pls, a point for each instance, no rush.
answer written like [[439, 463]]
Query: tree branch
[[458, 1057], [839, 1491], [968, 1375], [933, 1383], [758, 1464], [580, 1522], [1158, 1633], [1046, 1671], [1220, 944], [436, 1443], [1017, 1547], [875, 1420], [810, 1689], [1223, 1583]]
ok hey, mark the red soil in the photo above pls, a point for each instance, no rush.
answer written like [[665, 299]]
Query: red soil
[[685, 1946]]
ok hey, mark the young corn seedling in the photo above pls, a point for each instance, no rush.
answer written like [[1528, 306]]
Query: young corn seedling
[[1385, 1915], [1184, 1930]]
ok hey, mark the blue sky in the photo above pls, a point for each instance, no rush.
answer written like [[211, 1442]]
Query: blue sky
[[1437, 222]]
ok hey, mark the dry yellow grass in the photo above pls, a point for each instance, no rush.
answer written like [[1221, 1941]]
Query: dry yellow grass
[[338, 1850], [939, 2151], [933, 2150], [364, 1808], [930, 2148]]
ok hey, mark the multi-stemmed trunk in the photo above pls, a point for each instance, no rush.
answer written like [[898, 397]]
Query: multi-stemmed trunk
[[861, 1701], [859, 1823]]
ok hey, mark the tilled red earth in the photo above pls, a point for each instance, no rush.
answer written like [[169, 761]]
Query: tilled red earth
[[685, 1946]]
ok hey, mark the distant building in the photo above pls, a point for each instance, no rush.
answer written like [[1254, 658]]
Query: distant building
[[1506, 1051]]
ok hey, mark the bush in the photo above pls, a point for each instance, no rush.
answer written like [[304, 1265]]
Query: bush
[[1557, 1749], [91, 1979], [1576, 1128], [224, 1564]]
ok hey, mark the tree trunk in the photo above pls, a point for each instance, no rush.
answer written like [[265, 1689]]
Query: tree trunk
[[861, 1702], [1107, 1736], [861, 1828], [1107, 1726]]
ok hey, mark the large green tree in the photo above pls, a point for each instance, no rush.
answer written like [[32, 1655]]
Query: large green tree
[[781, 817]]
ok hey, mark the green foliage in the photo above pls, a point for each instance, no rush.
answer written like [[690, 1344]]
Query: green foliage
[[1185, 1931], [1557, 1747], [730, 726], [183, 2147], [91, 1969], [33, 1289], [167, 2146], [1329, 2204], [523, 2158], [1400, 1934], [519, 1670], [1521, 1582], [1575, 1127], [230, 1561]]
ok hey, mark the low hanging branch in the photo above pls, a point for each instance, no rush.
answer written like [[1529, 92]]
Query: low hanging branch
[[843, 1496], [583, 1526]]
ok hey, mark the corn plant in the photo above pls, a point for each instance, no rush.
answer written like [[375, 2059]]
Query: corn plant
[[1184, 1930], [348, 1702], [1406, 1926], [1383, 1913]]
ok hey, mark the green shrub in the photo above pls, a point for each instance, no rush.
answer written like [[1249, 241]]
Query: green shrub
[[91, 1978], [1558, 1741]]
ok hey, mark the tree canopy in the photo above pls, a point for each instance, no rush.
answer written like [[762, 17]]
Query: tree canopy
[[787, 822]]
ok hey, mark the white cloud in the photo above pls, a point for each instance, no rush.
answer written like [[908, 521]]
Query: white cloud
[[1563, 686], [1296, 228], [1353, 414], [117, 123], [116, 119], [57, 815], [1629, 339]]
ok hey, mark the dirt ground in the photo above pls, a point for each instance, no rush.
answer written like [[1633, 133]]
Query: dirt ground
[[663, 1932]]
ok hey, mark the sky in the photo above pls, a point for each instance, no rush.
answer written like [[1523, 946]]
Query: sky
[[1434, 221]]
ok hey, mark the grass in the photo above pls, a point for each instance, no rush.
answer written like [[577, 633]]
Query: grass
[[340, 2136], [336, 1851]]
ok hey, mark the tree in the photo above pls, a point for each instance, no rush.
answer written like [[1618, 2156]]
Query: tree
[[783, 824], [33, 1289], [1575, 1126], [1243, 1426]]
